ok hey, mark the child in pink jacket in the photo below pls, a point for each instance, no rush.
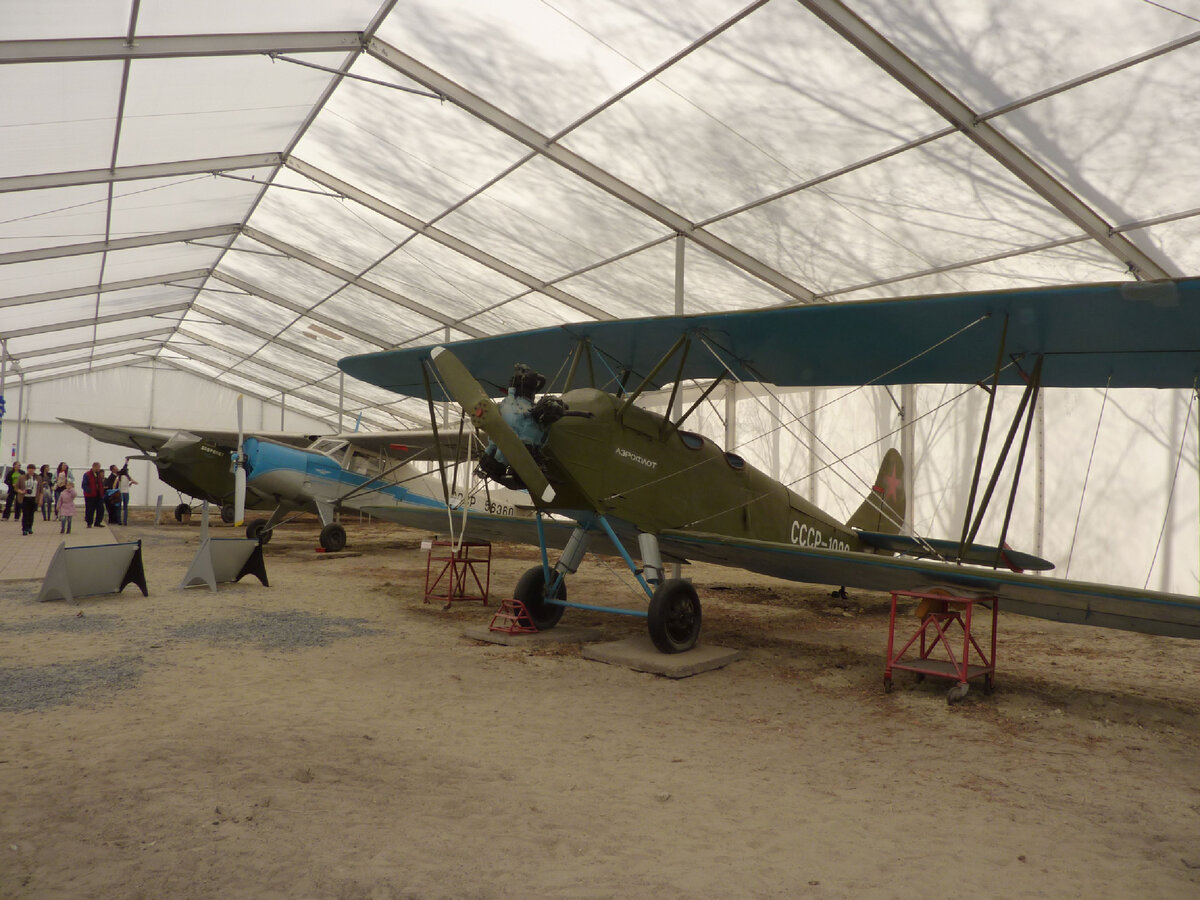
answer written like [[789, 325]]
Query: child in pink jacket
[[66, 508]]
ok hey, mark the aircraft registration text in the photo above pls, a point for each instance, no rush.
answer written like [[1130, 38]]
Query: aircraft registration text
[[808, 536]]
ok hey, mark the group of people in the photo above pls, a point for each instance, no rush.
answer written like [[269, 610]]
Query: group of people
[[30, 489]]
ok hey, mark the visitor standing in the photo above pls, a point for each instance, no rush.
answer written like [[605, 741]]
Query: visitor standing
[[29, 494], [124, 481], [93, 496], [11, 481], [61, 477], [65, 506], [47, 492]]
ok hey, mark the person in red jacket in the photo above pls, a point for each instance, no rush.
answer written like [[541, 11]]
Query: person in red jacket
[[93, 495]]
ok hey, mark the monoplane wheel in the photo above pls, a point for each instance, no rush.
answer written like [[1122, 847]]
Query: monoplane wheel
[[183, 512], [227, 513], [674, 617], [531, 591], [333, 538], [256, 530]]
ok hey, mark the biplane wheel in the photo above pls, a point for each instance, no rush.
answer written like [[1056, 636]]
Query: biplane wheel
[[257, 530], [674, 616], [183, 512], [333, 538], [227, 513], [531, 590]]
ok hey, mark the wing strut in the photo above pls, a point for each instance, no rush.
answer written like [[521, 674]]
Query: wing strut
[[437, 441], [1026, 407], [684, 341], [983, 437]]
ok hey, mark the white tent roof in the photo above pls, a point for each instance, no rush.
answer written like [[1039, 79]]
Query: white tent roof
[[251, 191]]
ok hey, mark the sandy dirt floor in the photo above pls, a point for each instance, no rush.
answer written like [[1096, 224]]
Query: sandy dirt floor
[[334, 736]]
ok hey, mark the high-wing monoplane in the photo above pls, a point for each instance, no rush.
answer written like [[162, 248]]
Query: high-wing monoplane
[[649, 488], [289, 473]]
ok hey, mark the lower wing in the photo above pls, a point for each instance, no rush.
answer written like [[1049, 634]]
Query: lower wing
[[1077, 602]]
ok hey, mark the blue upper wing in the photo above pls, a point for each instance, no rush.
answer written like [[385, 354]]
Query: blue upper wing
[[1127, 334]]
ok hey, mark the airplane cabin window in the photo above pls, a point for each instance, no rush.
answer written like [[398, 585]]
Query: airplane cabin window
[[735, 461], [691, 440]]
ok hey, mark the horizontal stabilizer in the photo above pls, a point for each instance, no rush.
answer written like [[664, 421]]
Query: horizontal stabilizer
[[976, 554]]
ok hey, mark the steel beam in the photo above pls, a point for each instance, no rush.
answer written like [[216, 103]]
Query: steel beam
[[892, 60], [85, 290], [171, 169], [96, 320], [442, 237], [129, 243], [177, 46], [581, 167], [315, 314], [353, 278]]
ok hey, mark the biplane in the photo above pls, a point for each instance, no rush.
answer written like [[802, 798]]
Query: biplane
[[600, 469]]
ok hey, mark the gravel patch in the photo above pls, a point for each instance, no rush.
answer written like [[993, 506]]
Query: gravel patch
[[292, 630], [41, 687], [72, 624]]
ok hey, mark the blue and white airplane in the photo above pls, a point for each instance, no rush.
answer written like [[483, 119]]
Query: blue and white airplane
[[354, 471]]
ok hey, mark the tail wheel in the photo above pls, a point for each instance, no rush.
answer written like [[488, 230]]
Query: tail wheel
[[333, 538], [256, 530], [227, 513], [674, 617], [183, 512], [531, 591]]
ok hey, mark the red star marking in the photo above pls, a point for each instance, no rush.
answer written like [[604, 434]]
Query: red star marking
[[891, 485]]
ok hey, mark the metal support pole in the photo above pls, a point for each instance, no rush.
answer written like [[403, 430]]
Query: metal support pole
[[341, 399], [1039, 493], [908, 443], [282, 408]]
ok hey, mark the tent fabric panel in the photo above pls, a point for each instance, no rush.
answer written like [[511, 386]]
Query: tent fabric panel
[[549, 223], [238, 17], [189, 108], [411, 151], [54, 217], [57, 117], [778, 95], [231, 303], [45, 275], [120, 265], [443, 279], [379, 316], [277, 274], [989, 55], [939, 204], [336, 229], [225, 340], [153, 206]]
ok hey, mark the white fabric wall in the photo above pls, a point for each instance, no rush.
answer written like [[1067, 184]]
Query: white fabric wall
[[158, 397]]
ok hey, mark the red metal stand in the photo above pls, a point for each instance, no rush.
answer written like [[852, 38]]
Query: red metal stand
[[943, 611], [512, 618], [459, 572]]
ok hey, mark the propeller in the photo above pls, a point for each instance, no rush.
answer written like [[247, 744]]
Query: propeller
[[470, 395], [239, 473]]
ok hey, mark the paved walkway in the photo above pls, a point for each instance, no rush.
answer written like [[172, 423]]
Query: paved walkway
[[28, 556]]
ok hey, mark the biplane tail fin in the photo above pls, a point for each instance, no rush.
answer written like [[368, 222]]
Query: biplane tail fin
[[883, 509]]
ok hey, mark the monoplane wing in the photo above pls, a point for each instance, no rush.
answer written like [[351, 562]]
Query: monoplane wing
[[150, 440], [1077, 602], [416, 444], [1125, 334]]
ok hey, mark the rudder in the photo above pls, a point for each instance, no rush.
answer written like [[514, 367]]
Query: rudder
[[883, 509]]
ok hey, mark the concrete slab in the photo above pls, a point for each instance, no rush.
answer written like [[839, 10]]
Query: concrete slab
[[639, 653], [561, 634]]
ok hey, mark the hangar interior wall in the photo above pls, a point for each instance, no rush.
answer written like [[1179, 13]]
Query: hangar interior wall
[[159, 397]]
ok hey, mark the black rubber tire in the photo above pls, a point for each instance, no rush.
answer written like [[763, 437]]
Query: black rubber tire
[[256, 530], [531, 590], [183, 512], [333, 538], [227, 513], [674, 617]]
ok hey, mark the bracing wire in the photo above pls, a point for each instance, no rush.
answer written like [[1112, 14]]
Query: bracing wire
[[1086, 475], [1174, 477]]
